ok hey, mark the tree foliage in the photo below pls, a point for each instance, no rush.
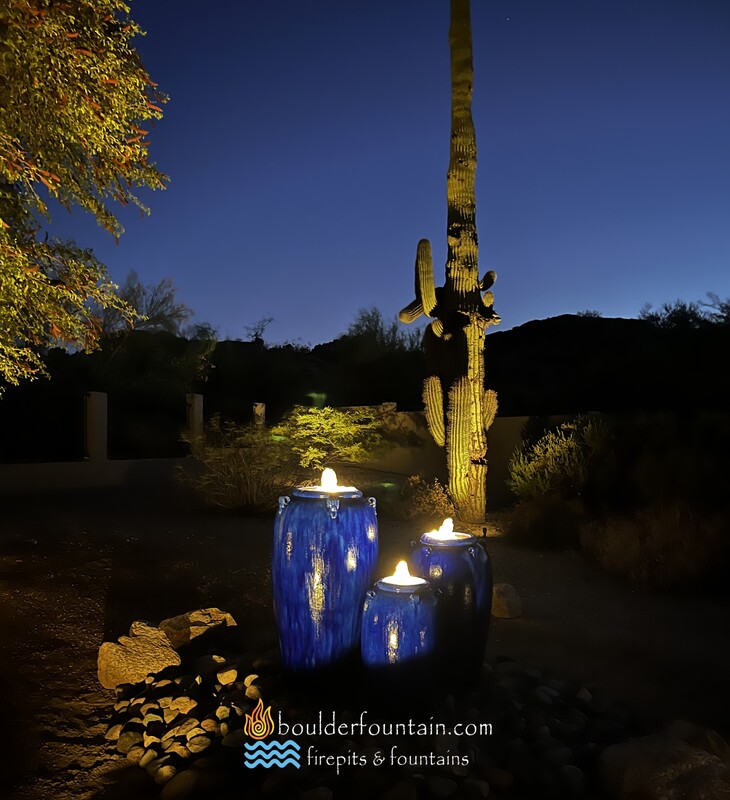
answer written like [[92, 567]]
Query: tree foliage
[[681, 315], [155, 304], [255, 331], [371, 326], [322, 436], [717, 309], [75, 110]]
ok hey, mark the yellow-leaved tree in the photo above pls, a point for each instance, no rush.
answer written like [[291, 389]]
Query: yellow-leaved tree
[[76, 105]]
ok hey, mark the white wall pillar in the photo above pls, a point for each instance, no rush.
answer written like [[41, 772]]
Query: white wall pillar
[[95, 426], [194, 414]]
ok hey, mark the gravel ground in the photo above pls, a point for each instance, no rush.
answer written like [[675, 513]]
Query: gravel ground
[[76, 570]]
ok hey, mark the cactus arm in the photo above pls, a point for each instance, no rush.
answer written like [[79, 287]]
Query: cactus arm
[[425, 302], [489, 408], [437, 326], [411, 312], [488, 280], [433, 399], [459, 438], [425, 290]]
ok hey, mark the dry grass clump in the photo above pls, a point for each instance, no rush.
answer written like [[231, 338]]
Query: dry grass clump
[[664, 546], [240, 467], [423, 500]]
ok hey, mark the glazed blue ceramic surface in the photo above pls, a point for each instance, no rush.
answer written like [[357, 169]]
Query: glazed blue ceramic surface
[[398, 626], [324, 553], [462, 572]]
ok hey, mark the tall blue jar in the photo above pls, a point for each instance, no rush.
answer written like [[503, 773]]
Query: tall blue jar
[[459, 567], [323, 559]]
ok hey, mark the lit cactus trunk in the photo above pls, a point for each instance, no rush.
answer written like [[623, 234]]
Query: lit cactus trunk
[[462, 264], [458, 410]]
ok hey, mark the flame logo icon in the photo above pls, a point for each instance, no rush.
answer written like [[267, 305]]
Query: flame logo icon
[[258, 723]]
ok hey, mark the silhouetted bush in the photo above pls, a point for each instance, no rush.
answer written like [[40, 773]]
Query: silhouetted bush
[[629, 462], [645, 494], [660, 459], [549, 523], [240, 466], [41, 422], [664, 546]]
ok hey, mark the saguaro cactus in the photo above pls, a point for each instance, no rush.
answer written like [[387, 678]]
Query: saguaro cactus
[[458, 409]]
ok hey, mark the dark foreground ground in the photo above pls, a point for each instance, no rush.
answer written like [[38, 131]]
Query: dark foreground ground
[[76, 570]]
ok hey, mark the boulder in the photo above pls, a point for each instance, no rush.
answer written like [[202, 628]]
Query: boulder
[[506, 603], [704, 738], [660, 767], [184, 628], [132, 658]]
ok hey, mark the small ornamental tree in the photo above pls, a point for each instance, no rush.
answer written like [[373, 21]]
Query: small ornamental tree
[[322, 436], [75, 110]]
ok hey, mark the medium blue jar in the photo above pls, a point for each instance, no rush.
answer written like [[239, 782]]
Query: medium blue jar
[[324, 553], [458, 566], [399, 624]]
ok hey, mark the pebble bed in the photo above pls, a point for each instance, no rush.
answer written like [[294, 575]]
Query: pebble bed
[[185, 727]]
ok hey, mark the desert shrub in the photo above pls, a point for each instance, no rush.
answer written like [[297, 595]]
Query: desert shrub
[[665, 546], [322, 436], [240, 467], [420, 499], [549, 523], [653, 486], [658, 459], [558, 464]]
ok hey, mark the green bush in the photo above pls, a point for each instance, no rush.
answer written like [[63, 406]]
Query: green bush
[[558, 464], [240, 467]]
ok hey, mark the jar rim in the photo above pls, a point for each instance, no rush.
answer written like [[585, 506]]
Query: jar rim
[[315, 493], [389, 587], [464, 540]]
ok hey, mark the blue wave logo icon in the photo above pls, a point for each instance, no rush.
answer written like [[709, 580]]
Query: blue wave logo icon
[[271, 754]]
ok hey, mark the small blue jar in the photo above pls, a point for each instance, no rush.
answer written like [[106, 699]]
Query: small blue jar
[[399, 624], [458, 566], [323, 559]]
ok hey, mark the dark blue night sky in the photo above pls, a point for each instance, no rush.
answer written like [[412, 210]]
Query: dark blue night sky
[[307, 147]]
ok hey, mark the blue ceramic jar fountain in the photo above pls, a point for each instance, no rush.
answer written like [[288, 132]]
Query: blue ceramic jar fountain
[[399, 622], [323, 558], [458, 566]]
